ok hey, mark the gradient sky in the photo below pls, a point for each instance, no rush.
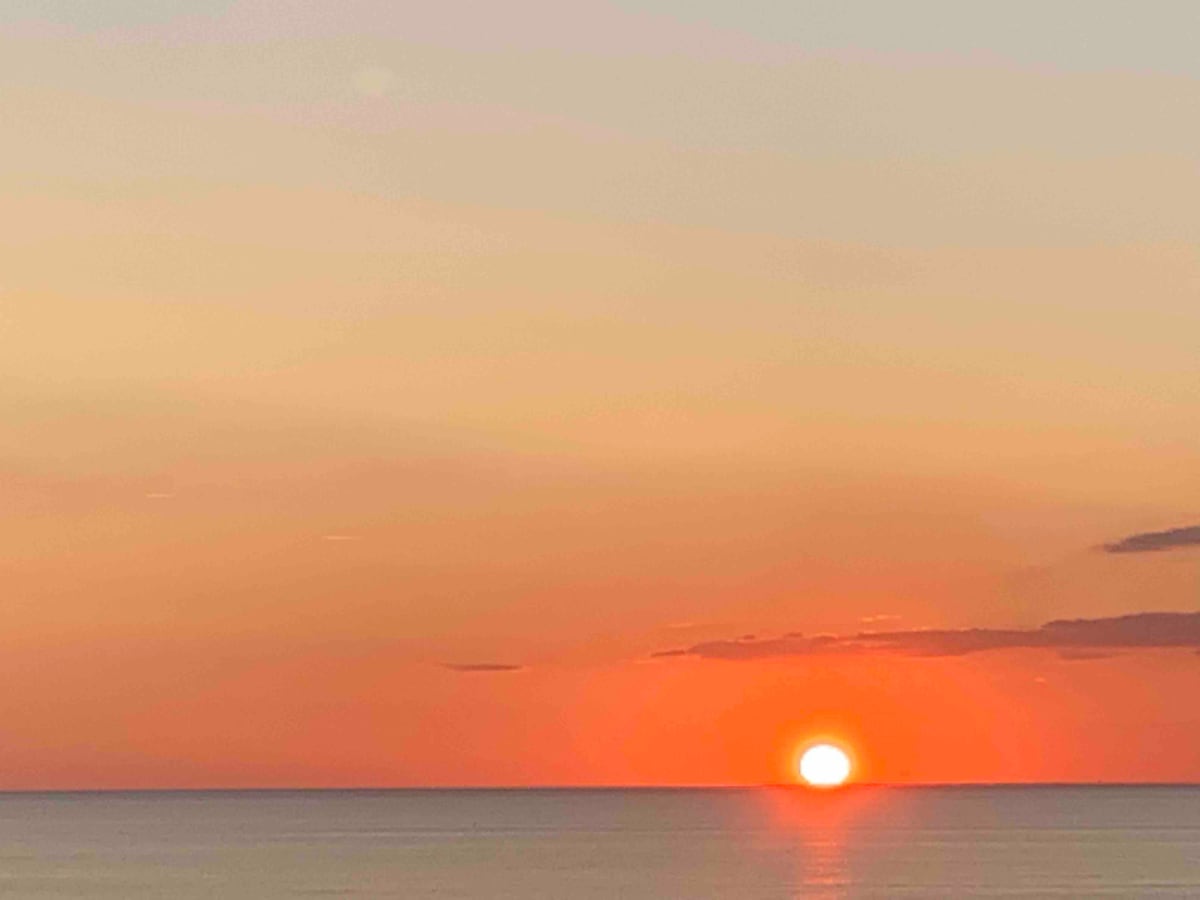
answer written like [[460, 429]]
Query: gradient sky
[[416, 393]]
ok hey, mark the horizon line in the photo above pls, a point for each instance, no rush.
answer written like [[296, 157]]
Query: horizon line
[[597, 788]]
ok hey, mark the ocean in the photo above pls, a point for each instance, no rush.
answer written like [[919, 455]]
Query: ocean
[[746, 844]]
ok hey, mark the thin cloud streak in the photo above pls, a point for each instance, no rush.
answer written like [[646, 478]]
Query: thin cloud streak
[[1155, 541], [1073, 638], [481, 667]]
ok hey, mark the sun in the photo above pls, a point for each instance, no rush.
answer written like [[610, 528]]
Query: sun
[[824, 765]]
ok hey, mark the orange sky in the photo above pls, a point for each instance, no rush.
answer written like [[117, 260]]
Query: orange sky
[[342, 349]]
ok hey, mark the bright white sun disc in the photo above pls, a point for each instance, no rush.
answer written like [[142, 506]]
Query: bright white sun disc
[[824, 765]]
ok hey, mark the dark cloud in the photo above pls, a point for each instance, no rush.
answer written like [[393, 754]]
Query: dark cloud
[[1073, 638], [1152, 541], [790, 645], [481, 667]]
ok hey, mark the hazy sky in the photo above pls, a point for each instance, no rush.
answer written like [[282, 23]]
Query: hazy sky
[[342, 344]]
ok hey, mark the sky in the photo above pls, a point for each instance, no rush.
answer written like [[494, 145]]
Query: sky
[[598, 392]]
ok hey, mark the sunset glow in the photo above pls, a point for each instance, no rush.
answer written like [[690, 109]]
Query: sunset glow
[[597, 393]]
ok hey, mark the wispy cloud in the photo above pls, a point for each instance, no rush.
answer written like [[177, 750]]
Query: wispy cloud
[[482, 667], [1152, 541], [1075, 638]]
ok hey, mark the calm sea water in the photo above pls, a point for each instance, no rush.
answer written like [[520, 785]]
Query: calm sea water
[[629, 844]]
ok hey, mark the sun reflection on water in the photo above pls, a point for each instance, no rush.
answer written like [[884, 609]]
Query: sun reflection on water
[[820, 827]]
